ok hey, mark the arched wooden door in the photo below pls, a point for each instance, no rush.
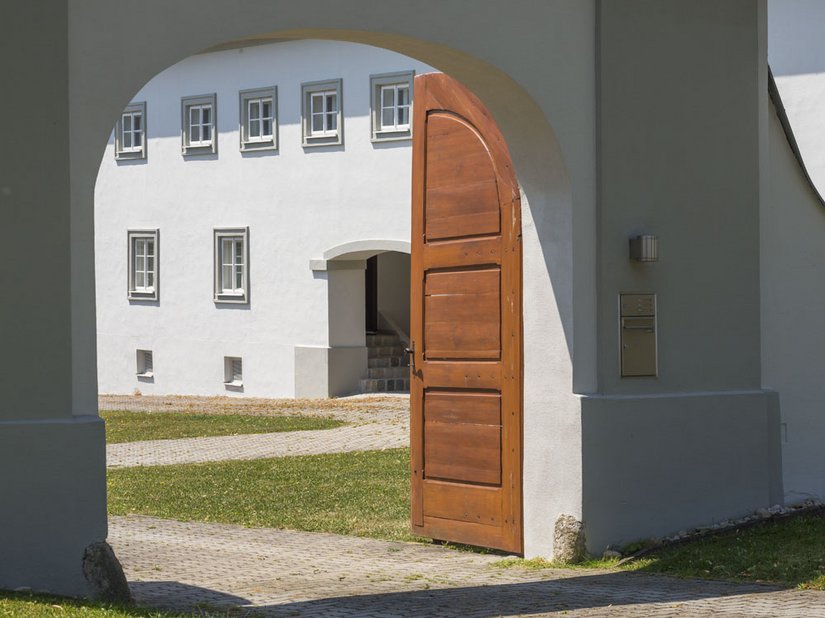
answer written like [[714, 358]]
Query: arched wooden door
[[466, 386]]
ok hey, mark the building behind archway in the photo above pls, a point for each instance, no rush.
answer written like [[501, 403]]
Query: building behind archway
[[252, 212]]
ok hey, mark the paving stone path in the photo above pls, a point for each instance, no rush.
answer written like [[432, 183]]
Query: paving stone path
[[377, 422], [217, 567], [230, 570], [368, 437]]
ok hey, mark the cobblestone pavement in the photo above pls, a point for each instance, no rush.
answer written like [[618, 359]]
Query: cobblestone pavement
[[202, 567], [367, 437], [378, 422]]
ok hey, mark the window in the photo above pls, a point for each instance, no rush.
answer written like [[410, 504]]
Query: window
[[322, 113], [391, 97], [130, 133], [232, 265], [323, 109], [259, 119], [143, 264], [198, 125], [395, 108], [145, 366], [232, 371]]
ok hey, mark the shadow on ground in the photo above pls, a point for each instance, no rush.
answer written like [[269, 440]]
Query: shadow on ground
[[631, 592]]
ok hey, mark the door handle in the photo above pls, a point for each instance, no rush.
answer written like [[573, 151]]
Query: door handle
[[411, 352]]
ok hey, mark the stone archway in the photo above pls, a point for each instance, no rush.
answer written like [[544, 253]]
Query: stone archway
[[505, 62]]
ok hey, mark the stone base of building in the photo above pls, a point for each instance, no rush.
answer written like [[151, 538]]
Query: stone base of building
[[328, 372], [53, 502], [655, 465]]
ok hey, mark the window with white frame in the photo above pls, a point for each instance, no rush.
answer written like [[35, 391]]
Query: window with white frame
[[259, 119], [145, 364], [233, 371], [232, 265], [198, 135], [322, 113], [391, 97], [130, 133], [143, 264]]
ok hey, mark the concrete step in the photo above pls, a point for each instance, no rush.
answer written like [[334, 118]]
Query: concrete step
[[379, 340], [388, 361], [389, 372], [379, 352], [380, 385]]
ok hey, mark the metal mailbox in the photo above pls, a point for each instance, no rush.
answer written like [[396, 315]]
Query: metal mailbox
[[637, 322]]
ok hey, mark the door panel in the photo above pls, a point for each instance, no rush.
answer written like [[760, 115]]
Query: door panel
[[461, 189], [466, 323], [467, 503], [463, 318], [462, 437]]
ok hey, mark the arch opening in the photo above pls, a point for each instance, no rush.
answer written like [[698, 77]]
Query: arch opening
[[546, 193]]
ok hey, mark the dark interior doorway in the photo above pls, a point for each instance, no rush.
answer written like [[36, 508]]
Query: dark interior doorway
[[371, 289]]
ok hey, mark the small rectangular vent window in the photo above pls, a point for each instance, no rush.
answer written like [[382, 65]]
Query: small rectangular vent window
[[145, 364], [233, 371]]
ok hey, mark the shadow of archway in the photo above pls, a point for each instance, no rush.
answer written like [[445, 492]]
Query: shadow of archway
[[615, 593]]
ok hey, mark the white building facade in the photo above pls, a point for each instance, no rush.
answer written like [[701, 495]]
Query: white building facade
[[793, 242], [238, 203]]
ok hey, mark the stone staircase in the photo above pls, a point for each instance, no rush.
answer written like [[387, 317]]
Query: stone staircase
[[388, 368]]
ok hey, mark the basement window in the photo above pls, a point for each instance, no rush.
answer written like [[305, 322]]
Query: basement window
[[145, 364], [233, 371]]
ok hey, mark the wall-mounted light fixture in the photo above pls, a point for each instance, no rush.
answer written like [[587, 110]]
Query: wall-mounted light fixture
[[644, 248]]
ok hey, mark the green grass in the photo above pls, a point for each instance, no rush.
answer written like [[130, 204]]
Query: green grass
[[790, 553], [24, 605], [123, 426], [359, 493]]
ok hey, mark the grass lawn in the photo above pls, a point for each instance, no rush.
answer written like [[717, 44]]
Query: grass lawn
[[22, 605], [789, 553], [123, 426], [359, 493]]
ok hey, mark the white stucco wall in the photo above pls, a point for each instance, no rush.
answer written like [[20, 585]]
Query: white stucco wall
[[793, 245], [793, 306], [796, 53], [297, 202]]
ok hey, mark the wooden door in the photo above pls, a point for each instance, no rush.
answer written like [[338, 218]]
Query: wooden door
[[466, 385]]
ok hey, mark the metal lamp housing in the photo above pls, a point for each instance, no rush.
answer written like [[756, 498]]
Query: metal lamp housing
[[644, 248]]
